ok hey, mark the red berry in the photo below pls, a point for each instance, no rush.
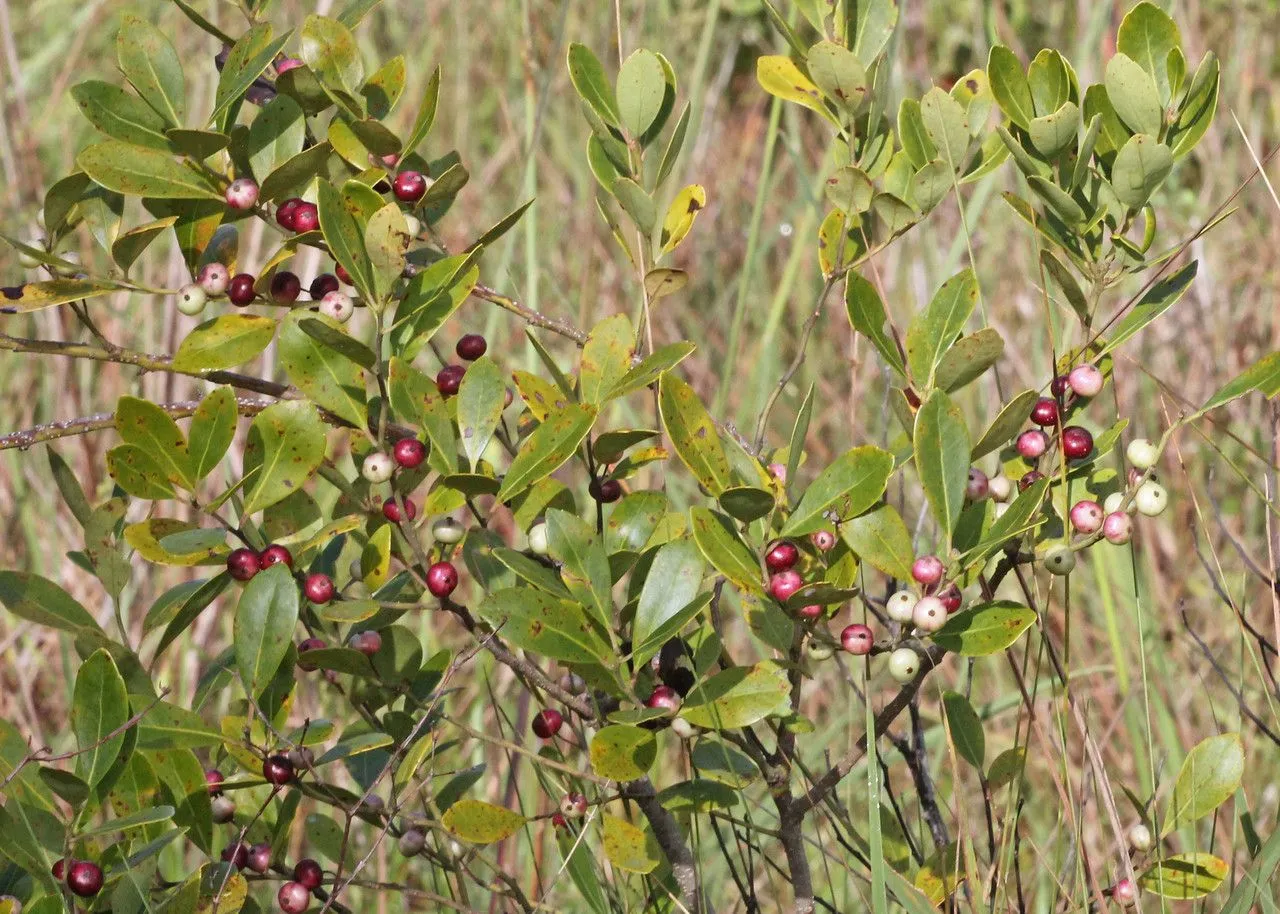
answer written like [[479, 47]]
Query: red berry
[[214, 779], [306, 218], [342, 274], [59, 868], [285, 287], [1058, 386], [1077, 443], [785, 583], [391, 511], [318, 588], [409, 452], [857, 638], [260, 857], [242, 564], [559, 821], [810, 613], [274, 555], [242, 193], [288, 63], [442, 579], [85, 878], [951, 597], [236, 854], [605, 491], [409, 186], [782, 556], [240, 290], [1086, 516], [310, 644], [1029, 479], [367, 643], [449, 379], [293, 898], [928, 570], [322, 285], [664, 698], [308, 873], [1031, 444], [286, 211], [471, 347], [1045, 412], [547, 723], [278, 770]]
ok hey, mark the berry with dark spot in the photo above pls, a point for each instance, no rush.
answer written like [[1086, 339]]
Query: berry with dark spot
[[823, 540], [84, 878], [293, 898], [857, 639], [928, 570], [240, 290], [214, 278], [306, 218], [409, 186], [260, 858], [1077, 443], [1087, 516], [242, 193], [242, 564], [1033, 443], [274, 555], [442, 579], [409, 452]]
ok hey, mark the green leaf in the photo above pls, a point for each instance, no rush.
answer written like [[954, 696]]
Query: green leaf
[[638, 204], [343, 236], [99, 706], [1262, 376], [1070, 288], [264, 622], [738, 697], [839, 73], [1185, 876], [39, 600], [339, 340], [140, 172], [881, 539], [723, 763], [224, 342], [780, 77], [915, 139], [1209, 776], [129, 246], [415, 397], [671, 584], [293, 445], [323, 374], [1132, 93], [330, 50], [290, 175], [1011, 419], [969, 359], [386, 239], [947, 125], [535, 621], [552, 443], [931, 184], [480, 403], [477, 822], [426, 113], [1139, 168], [622, 753], [868, 316], [606, 358], [151, 65], [249, 57], [275, 136], [1022, 515], [167, 725], [1158, 299], [1147, 34], [724, 549], [641, 87], [849, 485], [629, 848], [699, 795], [651, 368], [1053, 133], [936, 328], [985, 629], [1010, 87], [120, 115], [941, 443], [870, 23], [965, 728], [1197, 110], [747, 503], [693, 434], [151, 429], [135, 471], [589, 78], [1051, 81], [1257, 879], [608, 447], [584, 564], [501, 227], [850, 190]]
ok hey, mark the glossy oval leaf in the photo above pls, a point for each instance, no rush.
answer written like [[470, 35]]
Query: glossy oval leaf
[[941, 445], [985, 629], [99, 707], [1209, 776], [477, 822], [738, 697], [535, 621], [293, 445], [224, 342], [552, 443], [849, 485], [264, 622], [623, 753]]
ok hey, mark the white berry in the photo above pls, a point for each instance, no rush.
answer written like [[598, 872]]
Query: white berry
[[1113, 502], [904, 663], [1000, 487], [1140, 837], [901, 606], [538, 539], [191, 299], [377, 467], [448, 531], [1151, 499], [929, 614], [1142, 454], [1059, 560], [338, 306]]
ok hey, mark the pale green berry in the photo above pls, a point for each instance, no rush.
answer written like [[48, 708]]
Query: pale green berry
[[377, 467], [901, 606], [1113, 502], [1059, 560], [448, 531], [1140, 837], [538, 539], [904, 663], [682, 728], [191, 299], [413, 224], [1000, 487], [819, 650], [929, 614], [1142, 454], [1151, 499]]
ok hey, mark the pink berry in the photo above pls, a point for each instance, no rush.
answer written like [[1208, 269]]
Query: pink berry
[[293, 898], [1032, 443], [1045, 412], [1077, 443], [978, 486], [260, 858], [782, 556], [1124, 892], [1085, 380], [857, 639], [318, 588], [367, 643], [823, 540], [664, 698], [442, 579], [288, 63], [391, 511], [547, 723], [810, 613], [409, 452], [928, 570], [214, 278], [409, 186], [242, 193], [785, 583], [951, 598], [1117, 527], [1086, 516], [213, 779]]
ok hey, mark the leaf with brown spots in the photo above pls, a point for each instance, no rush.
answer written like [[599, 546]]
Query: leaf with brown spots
[[693, 434], [149, 428], [293, 445], [535, 621], [33, 296]]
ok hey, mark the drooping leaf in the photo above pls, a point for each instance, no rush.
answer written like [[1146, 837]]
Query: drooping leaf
[[99, 707], [941, 443], [264, 622]]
